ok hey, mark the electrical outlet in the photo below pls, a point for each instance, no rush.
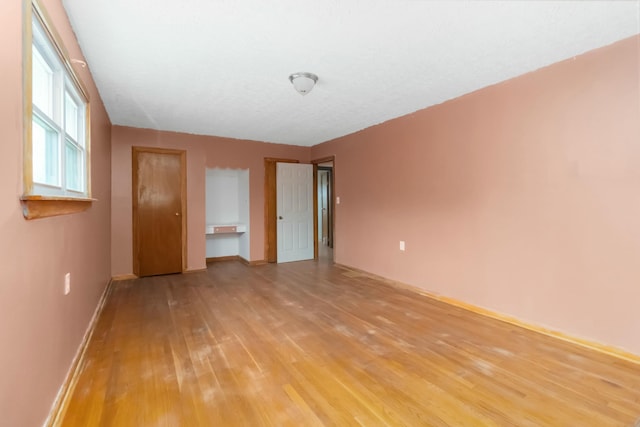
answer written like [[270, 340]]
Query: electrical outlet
[[402, 245], [338, 200], [67, 283]]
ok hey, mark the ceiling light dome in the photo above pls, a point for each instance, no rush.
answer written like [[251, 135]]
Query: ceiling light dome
[[303, 82]]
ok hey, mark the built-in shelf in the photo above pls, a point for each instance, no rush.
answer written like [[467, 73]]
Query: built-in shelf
[[226, 229], [227, 225]]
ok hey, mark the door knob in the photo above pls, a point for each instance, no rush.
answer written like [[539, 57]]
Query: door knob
[[177, 213], [279, 217]]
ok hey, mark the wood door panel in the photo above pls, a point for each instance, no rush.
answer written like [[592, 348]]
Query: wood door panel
[[159, 213], [271, 247]]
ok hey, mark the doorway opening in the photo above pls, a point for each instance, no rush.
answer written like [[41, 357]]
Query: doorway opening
[[270, 208], [323, 198], [325, 208]]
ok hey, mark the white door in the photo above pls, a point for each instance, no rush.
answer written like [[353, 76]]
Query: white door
[[294, 192]]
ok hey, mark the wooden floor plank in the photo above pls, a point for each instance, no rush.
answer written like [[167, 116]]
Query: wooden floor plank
[[312, 344]]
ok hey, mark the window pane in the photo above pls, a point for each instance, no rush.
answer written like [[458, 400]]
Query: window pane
[[74, 167], [71, 117], [59, 160], [45, 154], [42, 83]]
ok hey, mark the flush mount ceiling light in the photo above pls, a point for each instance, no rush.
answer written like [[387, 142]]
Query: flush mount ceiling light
[[303, 82]]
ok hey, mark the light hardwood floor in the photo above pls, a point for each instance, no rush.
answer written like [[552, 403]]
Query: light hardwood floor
[[311, 344]]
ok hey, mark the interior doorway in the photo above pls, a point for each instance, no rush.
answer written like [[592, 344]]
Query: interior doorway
[[270, 208], [325, 208], [159, 211], [325, 249], [325, 233]]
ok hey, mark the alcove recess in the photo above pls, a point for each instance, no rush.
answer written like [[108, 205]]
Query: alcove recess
[[227, 214]]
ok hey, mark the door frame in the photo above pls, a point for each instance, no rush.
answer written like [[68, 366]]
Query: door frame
[[315, 163], [329, 171], [270, 207], [135, 150]]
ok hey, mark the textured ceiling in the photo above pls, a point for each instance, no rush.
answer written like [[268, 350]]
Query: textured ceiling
[[221, 67]]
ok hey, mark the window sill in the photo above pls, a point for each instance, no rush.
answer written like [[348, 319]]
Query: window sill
[[35, 207]]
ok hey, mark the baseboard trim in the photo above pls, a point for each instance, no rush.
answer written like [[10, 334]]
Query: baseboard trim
[[60, 404], [602, 348], [223, 258], [120, 277], [235, 258], [195, 270]]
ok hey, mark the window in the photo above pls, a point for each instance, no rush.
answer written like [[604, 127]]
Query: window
[[56, 160]]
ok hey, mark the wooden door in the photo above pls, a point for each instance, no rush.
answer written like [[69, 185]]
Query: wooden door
[[295, 212], [159, 207]]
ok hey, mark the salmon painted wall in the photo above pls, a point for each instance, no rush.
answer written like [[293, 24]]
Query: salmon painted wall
[[202, 152], [40, 328], [523, 197]]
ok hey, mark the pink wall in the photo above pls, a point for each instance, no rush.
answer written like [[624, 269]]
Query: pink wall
[[523, 197], [202, 152], [40, 328]]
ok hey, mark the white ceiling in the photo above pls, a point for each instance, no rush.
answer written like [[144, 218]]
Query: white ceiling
[[221, 67]]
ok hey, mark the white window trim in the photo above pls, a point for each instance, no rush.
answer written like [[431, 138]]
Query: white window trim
[[35, 195]]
